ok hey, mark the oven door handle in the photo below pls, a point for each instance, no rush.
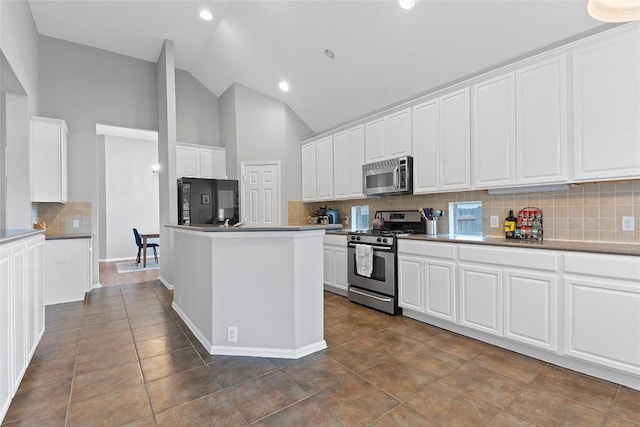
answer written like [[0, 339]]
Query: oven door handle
[[378, 248], [366, 294]]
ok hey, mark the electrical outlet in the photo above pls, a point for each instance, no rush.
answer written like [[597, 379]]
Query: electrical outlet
[[346, 220], [495, 221], [628, 223], [76, 223], [232, 334]]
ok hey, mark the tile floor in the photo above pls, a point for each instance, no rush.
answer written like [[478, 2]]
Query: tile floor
[[124, 358]]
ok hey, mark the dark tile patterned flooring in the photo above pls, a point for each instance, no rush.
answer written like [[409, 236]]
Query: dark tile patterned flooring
[[123, 357]]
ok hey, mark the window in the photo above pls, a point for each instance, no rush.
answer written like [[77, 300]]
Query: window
[[359, 217], [466, 218]]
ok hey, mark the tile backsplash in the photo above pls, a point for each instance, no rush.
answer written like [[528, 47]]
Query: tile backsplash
[[584, 212], [59, 217]]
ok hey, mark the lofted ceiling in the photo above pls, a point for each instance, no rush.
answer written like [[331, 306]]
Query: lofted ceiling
[[383, 54]]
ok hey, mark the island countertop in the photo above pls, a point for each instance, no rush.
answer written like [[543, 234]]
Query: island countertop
[[11, 234], [216, 228]]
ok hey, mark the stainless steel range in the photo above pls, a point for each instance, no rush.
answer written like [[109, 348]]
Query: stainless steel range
[[377, 285]]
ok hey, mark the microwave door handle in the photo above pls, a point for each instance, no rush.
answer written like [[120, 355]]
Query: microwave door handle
[[396, 176]]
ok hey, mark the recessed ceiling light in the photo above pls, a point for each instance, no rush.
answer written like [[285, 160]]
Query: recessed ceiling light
[[206, 15], [284, 86], [407, 4], [329, 53]]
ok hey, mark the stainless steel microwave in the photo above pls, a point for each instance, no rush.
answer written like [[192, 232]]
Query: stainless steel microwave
[[393, 176]]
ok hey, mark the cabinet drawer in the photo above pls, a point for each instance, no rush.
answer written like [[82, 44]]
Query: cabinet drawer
[[510, 257], [613, 266], [428, 249], [335, 239]]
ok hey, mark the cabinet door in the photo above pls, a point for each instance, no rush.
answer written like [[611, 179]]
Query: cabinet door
[[64, 165], [30, 298], [341, 165], [213, 163], [530, 308], [324, 149], [541, 106], [187, 161], [440, 290], [494, 132], [481, 298], [328, 277], [426, 166], [309, 173], [66, 270], [410, 283], [602, 322], [20, 299], [341, 268], [606, 107], [455, 143], [375, 140], [6, 326], [399, 133], [48, 160], [39, 274], [355, 157]]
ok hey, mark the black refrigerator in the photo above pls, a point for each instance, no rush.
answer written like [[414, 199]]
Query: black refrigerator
[[207, 201]]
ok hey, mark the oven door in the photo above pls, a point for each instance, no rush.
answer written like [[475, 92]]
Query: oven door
[[383, 276]]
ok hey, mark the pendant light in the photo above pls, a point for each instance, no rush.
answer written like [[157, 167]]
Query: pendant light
[[614, 10]]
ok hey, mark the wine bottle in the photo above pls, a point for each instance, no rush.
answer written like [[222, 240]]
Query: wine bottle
[[510, 226]]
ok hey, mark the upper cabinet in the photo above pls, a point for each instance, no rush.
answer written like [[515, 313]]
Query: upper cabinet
[[309, 172], [606, 107], [520, 127], [348, 158], [200, 161], [49, 180], [388, 137], [441, 144], [317, 170]]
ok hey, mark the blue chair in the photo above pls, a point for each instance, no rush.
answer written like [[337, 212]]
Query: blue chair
[[149, 245]]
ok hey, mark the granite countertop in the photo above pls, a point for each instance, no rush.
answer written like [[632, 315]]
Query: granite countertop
[[8, 235], [215, 228], [557, 245]]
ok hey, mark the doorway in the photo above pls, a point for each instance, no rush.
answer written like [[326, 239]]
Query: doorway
[[260, 193]]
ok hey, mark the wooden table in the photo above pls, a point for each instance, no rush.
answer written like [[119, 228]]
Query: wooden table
[[144, 238]]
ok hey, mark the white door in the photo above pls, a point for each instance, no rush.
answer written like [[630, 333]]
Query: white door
[[261, 193]]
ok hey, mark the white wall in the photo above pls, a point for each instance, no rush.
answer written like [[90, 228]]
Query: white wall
[[266, 129], [228, 130], [131, 194], [197, 111]]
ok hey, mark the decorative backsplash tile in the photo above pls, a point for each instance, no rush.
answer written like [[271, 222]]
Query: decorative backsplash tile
[[584, 212], [59, 217]]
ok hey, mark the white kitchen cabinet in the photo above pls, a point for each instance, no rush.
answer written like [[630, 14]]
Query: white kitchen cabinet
[[309, 172], [49, 167], [541, 123], [481, 298], [606, 107], [426, 278], [388, 137], [21, 311], [442, 144], [520, 127], [602, 310], [530, 308], [213, 162], [335, 263], [67, 270], [200, 161], [494, 132], [324, 168], [348, 158]]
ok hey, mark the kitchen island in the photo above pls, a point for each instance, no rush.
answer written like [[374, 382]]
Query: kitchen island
[[251, 291]]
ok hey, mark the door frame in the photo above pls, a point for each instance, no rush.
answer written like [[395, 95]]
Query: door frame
[[275, 163]]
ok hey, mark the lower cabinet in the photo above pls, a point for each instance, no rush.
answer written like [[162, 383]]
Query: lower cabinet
[[481, 298], [602, 310], [21, 311], [68, 270], [426, 277], [335, 263]]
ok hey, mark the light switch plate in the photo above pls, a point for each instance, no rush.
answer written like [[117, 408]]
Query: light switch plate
[[76, 223], [495, 221], [628, 223]]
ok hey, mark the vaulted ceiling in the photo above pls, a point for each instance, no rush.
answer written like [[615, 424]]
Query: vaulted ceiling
[[383, 54]]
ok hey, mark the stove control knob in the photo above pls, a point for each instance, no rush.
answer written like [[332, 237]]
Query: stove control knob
[[384, 240], [379, 240], [358, 238]]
